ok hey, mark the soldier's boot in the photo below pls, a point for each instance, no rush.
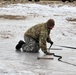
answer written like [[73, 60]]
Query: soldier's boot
[[70, 0], [19, 45], [63, 0], [37, 0], [29, 0]]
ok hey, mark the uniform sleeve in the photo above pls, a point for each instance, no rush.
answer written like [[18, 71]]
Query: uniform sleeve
[[48, 39], [42, 41]]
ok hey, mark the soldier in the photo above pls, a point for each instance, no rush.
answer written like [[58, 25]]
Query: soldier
[[36, 38]]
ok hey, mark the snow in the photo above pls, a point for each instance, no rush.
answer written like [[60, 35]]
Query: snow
[[44, 10], [12, 30]]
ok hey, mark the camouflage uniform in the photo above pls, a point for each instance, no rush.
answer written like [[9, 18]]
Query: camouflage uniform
[[39, 35], [30, 45]]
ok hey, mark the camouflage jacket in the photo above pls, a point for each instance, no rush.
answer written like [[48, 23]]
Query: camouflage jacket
[[40, 33]]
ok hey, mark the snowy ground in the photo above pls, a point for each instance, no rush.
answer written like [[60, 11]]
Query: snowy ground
[[15, 19]]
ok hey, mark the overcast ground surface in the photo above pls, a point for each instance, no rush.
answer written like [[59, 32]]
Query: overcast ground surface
[[15, 19]]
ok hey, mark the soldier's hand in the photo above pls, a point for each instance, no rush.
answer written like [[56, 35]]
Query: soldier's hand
[[51, 43], [48, 53]]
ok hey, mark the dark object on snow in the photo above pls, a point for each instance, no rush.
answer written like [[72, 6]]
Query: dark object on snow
[[19, 45], [29, 0], [69, 47], [59, 57], [70, 0], [66, 46], [67, 0], [63, 0], [37, 0], [44, 58], [34, 0], [48, 53], [56, 49]]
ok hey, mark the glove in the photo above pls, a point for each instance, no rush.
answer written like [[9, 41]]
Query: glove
[[48, 53], [51, 43]]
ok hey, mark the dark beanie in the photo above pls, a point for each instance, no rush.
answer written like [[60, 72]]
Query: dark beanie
[[50, 22]]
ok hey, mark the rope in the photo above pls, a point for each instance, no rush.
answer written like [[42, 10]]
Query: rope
[[59, 57]]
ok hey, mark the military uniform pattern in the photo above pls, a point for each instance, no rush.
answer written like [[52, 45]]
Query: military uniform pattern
[[39, 33], [30, 45]]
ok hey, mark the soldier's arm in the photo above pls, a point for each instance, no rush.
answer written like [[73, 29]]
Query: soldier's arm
[[42, 42], [48, 39]]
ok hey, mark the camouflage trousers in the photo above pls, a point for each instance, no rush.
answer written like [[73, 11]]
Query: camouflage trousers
[[30, 45]]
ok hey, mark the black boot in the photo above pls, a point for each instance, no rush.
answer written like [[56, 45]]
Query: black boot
[[29, 0], [19, 45], [63, 0], [70, 0], [37, 0]]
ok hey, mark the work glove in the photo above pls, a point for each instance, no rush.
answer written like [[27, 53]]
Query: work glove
[[51, 43], [48, 53]]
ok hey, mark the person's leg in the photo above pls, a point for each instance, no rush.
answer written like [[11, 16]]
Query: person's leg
[[30, 45], [36, 47]]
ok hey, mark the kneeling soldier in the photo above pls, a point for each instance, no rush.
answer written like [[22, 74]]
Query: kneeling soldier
[[36, 38]]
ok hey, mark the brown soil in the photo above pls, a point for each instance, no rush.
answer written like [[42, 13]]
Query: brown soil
[[13, 17], [71, 19]]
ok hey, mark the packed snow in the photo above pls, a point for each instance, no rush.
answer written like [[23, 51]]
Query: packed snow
[[15, 19]]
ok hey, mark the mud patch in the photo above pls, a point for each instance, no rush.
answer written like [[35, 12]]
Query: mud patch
[[71, 19], [13, 17]]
